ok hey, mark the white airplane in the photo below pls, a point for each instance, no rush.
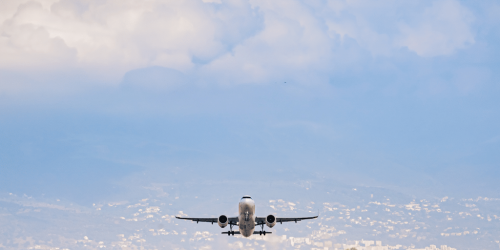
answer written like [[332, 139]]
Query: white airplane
[[246, 221]]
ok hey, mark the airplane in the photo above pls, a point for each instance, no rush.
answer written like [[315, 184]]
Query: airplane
[[246, 221]]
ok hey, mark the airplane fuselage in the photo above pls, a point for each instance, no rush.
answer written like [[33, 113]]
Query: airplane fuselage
[[246, 209]]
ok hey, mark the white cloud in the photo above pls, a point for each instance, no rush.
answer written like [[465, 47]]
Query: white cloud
[[25, 44], [309, 41], [440, 30], [232, 41], [123, 35]]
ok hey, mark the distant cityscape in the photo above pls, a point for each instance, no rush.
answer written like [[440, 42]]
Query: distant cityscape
[[327, 245], [373, 223]]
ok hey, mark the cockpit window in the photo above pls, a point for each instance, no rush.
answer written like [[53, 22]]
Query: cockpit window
[[246, 197]]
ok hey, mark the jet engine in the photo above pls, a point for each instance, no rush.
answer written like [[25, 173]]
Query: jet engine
[[270, 221], [222, 221]]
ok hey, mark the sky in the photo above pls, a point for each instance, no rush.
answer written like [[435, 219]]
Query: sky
[[100, 97]]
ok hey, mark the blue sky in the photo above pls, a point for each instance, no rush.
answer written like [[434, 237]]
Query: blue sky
[[386, 93]]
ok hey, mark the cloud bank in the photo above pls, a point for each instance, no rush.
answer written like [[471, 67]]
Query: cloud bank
[[228, 42]]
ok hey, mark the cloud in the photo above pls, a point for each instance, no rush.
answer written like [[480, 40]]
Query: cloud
[[443, 28], [24, 44], [120, 36], [228, 42]]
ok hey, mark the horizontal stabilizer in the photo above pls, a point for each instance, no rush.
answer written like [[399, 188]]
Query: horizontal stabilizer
[[255, 232], [262, 232], [233, 232]]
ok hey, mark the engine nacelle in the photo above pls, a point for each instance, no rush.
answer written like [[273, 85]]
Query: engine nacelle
[[222, 221], [270, 221]]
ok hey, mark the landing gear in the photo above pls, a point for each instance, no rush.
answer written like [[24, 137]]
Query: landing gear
[[230, 232], [262, 232]]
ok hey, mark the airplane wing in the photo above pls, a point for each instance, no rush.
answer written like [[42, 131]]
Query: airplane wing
[[232, 220], [262, 220]]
